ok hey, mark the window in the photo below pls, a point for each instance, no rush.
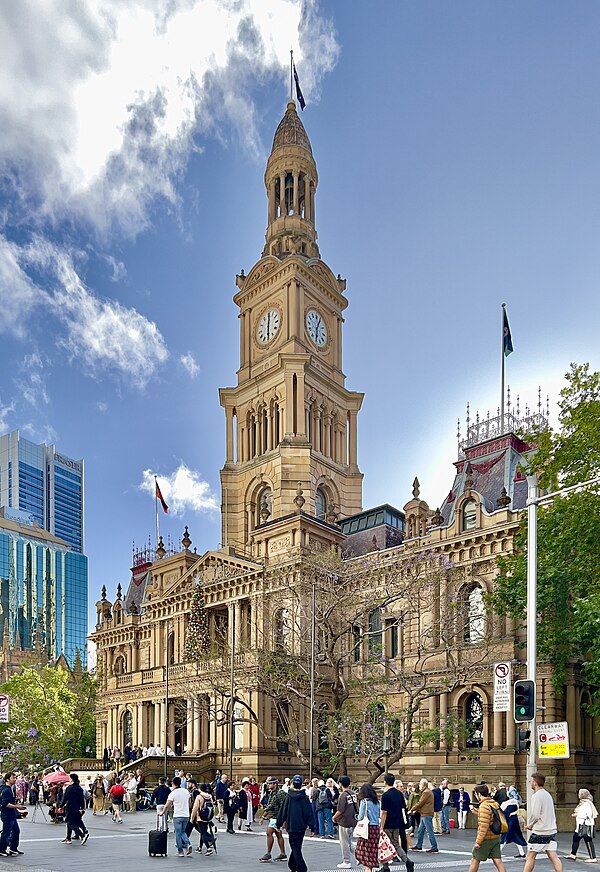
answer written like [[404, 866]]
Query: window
[[264, 506], [282, 630], [171, 649], [474, 721], [469, 515], [356, 642], [375, 633], [321, 504], [474, 615], [119, 666], [127, 728], [393, 640], [281, 728], [238, 727], [323, 726]]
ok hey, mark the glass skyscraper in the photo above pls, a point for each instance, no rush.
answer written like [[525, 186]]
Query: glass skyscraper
[[43, 571], [44, 483]]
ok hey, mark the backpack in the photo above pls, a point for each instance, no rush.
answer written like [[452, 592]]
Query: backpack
[[498, 823], [324, 798], [207, 812]]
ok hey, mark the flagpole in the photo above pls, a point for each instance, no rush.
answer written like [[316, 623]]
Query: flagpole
[[156, 507], [503, 316], [291, 74]]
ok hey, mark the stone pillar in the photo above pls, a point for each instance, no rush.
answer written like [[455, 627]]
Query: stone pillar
[[498, 738], [237, 611], [443, 719], [295, 200], [289, 404], [229, 434], [189, 726], [196, 746], [242, 338], [352, 439], [162, 720], [282, 210], [432, 719], [510, 730]]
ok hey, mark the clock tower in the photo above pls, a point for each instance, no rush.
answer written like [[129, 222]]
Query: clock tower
[[290, 422]]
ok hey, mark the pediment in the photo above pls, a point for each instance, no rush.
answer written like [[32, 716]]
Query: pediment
[[212, 569]]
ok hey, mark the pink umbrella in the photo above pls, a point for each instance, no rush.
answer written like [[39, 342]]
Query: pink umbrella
[[57, 778]]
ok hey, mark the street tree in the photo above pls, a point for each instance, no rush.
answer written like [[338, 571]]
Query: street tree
[[568, 582]]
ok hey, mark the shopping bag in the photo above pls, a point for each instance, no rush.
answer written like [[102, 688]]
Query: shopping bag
[[361, 830], [385, 849]]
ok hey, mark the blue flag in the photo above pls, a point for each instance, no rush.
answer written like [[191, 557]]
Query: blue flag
[[506, 337], [299, 93]]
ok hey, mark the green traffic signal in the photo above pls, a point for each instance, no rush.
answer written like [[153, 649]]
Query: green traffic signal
[[524, 707]]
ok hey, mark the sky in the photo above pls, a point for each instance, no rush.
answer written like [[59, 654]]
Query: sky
[[457, 147]]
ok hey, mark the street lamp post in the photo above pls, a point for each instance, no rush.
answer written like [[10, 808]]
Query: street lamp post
[[311, 735], [231, 694], [534, 500]]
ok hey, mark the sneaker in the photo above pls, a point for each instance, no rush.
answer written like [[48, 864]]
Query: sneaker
[[4, 854], [416, 848], [85, 838], [209, 851], [410, 865], [344, 865], [16, 851], [180, 855], [281, 857], [432, 851], [591, 860], [266, 858], [65, 842], [189, 850]]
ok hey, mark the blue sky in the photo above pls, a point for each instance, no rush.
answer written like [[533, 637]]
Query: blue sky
[[457, 147]]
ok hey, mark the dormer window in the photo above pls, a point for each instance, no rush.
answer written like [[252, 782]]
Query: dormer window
[[469, 515], [321, 504]]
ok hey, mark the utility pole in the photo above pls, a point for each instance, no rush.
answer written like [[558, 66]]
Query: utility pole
[[311, 736]]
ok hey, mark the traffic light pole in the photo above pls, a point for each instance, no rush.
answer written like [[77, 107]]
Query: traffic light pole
[[532, 518]]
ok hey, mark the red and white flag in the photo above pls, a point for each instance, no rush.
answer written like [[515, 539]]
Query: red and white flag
[[159, 496]]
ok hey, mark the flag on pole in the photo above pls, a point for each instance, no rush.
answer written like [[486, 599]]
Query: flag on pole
[[506, 337], [299, 93], [159, 496]]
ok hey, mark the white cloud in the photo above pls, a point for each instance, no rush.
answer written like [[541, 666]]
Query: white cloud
[[184, 490], [102, 407], [100, 103], [5, 411], [189, 363], [18, 293], [32, 383]]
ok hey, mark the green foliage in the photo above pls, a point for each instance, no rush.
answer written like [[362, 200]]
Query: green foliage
[[568, 538], [51, 716]]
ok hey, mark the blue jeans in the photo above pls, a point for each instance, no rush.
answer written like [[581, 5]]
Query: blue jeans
[[426, 825], [324, 816], [445, 815], [10, 835], [181, 840]]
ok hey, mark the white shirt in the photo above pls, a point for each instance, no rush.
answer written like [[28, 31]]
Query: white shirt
[[132, 784], [180, 798], [446, 795], [541, 815]]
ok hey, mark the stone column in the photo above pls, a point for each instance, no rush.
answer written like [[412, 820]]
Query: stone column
[[295, 200], [498, 738], [289, 404], [237, 611], [443, 719], [196, 722], [510, 730], [242, 338], [352, 439], [572, 714], [189, 725], [282, 209], [432, 718], [229, 434]]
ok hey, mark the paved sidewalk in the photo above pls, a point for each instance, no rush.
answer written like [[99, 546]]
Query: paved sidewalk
[[116, 845]]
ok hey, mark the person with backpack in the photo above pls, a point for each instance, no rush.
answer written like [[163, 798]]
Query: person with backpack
[[491, 823], [201, 817], [116, 793], [325, 811], [345, 818]]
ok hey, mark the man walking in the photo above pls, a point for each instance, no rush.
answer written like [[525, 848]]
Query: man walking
[[179, 798], [487, 843], [274, 804], [220, 794], [9, 814], [437, 809], [445, 812], [425, 807], [345, 819], [393, 819], [295, 815], [541, 821]]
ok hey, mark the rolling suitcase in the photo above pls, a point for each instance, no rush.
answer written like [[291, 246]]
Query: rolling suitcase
[[157, 839]]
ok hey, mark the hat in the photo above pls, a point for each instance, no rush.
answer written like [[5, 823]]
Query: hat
[[245, 781], [297, 781], [272, 780]]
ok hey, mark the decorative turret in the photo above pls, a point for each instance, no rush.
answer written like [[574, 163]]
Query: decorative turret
[[186, 541], [291, 180]]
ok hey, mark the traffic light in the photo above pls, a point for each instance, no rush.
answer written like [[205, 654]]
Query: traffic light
[[523, 741], [524, 701]]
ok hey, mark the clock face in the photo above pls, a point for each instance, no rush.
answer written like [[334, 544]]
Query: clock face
[[315, 327], [268, 326]]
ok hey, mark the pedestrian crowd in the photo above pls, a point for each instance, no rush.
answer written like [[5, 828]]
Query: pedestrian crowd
[[375, 829]]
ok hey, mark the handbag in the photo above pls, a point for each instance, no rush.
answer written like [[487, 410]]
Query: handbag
[[385, 849], [585, 831], [361, 830]]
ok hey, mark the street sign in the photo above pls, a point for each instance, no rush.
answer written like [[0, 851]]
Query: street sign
[[4, 708], [553, 740], [502, 686]]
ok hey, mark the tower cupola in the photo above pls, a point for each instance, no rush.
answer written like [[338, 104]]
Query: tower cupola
[[291, 180]]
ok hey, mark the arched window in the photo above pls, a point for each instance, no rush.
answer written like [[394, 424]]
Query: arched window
[[127, 728], [474, 615], [238, 727], [171, 649], [264, 506], [375, 633], [282, 728], [474, 721], [321, 504], [469, 515]]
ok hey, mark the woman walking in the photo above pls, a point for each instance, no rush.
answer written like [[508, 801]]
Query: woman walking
[[366, 849], [98, 796], [230, 806], [585, 815], [245, 811], [511, 812]]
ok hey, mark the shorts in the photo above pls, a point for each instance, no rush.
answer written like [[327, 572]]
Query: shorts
[[273, 824], [488, 850], [538, 848]]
